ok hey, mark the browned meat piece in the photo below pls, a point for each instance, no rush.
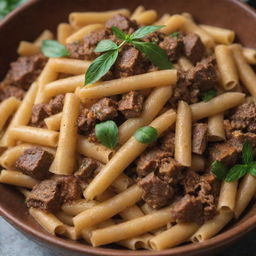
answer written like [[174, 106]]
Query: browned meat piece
[[149, 161], [92, 137], [129, 62], [170, 170], [86, 121], [70, 188], [194, 48], [104, 109], [55, 105], [228, 128], [167, 142], [39, 113], [25, 70], [155, 37], [188, 209], [204, 74], [35, 162], [244, 117], [156, 193], [173, 47], [199, 138], [86, 169], [122, 22], [131, 104], [11, 91], [46, 196], [223, 152]]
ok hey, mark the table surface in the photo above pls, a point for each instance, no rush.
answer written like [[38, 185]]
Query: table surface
[[13, 243]]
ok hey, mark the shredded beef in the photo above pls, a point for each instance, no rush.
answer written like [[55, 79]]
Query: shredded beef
[[122, 22], [55, 105], [156, 193], [46, 196], [194, 48], [167, 142], [39, 113], [11, 91], [86, 169], [86, 121], [199, 138], [131, 104], [35, 162]]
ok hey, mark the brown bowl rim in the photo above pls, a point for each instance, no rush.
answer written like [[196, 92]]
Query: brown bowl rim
[[219, 241]]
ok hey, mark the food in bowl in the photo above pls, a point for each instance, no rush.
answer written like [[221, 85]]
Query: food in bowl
[[131, 130]]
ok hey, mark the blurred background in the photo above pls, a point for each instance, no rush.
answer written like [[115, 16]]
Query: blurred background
[[13, 243]]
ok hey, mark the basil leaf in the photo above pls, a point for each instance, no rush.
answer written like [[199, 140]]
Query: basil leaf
[[100, 66], [107, 133], [236, 172], [106, 45], [219, 170], [7, 6], [144, 31], [146, 134], [208, 95], [154, 53], [52, 48], [247, 152], [175, 34], [252, 169], [119, 33]]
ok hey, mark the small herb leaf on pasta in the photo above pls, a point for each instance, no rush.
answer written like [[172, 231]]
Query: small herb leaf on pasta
[[106, 45], [219, 170], [144, 31], [175, 34], [236, 172], [247, 153], [54, 49], [119, 33], [107, 133], [208, 95], [146, 134]]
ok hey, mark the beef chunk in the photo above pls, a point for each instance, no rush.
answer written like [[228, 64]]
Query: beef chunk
[[86, 169], [122, 22], [104, 109], [167, 142], [25, 70], [244, 117], [39, 113], [131, 104], [70, 188], [199, 140], [86, 121], [11, 91], [204, 74], [55, 105], [35, 162], [156, 193], [129, 62], [228, 128], [46, 196], [173, 47], [223, 152], [149, 161], [194, 48], [170, 170]]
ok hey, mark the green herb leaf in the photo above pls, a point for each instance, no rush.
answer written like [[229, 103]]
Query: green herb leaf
[[252, 168], [107, 133], [52, 48], [119, 33], [106, 45], [7, 6], [154, 53], [144, 31], [208, 95], [175, 34], [219, 170], [100, 66], [247, 152], [236, 172], [146, 134]]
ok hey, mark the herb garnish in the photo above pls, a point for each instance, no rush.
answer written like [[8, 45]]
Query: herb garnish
[[239, 170], [7, 6], [146, 134], [101, 65], [53, 49], [208, 95], [175, 34], [107, 133]]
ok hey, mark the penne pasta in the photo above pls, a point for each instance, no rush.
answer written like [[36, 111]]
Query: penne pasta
[[174, 23], [64, 30], [53, 122], [28, 49], [216, 130], [227, 197], [146, 17], [249, 55], [45, 35]]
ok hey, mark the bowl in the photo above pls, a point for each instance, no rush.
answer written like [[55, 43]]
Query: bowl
[[26, 22]]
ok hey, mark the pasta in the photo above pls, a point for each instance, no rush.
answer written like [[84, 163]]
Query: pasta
[[117, 134]]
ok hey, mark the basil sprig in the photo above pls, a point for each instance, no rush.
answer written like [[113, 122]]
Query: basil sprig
[[239, 170], [54, 49], [101, 65], [146, 134], [208, 95], [175, 34], [107, 133]]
